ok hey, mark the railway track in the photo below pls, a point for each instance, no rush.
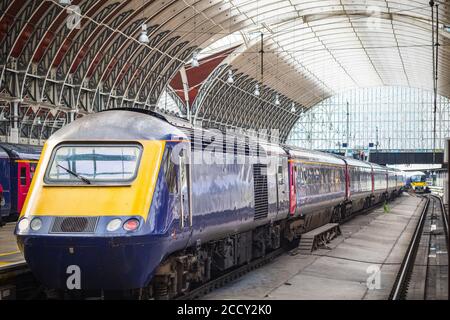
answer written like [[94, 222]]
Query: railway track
[[423, 274], [18, 283]]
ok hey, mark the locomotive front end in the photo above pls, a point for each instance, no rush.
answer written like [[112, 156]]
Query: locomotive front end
[[86, 223]]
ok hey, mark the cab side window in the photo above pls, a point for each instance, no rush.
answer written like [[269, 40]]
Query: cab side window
[[170, 172]]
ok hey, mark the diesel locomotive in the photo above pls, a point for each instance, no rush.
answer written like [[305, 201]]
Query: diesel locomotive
[[119, 204]]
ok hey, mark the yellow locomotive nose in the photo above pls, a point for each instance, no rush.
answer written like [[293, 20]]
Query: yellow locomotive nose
[[95, 179]]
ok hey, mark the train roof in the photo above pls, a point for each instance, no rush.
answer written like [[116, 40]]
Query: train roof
[[3, 154], [315, 156], [414, 173], [137, 124], [21, 151], [356, 162], [378, 167], [121, 125]]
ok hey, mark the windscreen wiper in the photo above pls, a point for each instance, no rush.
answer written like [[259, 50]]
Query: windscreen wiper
[[79, 176]]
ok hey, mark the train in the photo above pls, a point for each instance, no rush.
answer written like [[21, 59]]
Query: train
[[119, 203], [17, 166], [417, 182]]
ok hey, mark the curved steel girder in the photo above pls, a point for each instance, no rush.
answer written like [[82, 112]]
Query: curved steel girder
[[252, 110], [220, 92], [228, 93], [212, 104], [16, 17], [200, 39], [122, 19], [151, 36], [178, 18], [282, 71], [206, 88], [31, 129], [265, 101], [194, 37], [34, 56], [158, 83], [157, 35]]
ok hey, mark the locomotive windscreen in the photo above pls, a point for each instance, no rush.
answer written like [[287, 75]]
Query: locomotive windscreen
[[94, 163]]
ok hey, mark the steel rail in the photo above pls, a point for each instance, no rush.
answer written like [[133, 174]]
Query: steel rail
[[13, 270], [400, 285], [444, 215]]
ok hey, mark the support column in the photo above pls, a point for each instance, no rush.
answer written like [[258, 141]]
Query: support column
[[14, 130], [71, 116]]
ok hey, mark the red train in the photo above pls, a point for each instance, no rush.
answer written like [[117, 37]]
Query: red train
[[17, 166]]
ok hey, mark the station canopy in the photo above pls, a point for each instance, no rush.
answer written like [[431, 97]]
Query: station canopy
[[300, 51]]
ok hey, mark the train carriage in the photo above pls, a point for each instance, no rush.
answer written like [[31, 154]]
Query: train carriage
[[379, 182], [17, 167], [317, 186], [392, 182], [359, 187]]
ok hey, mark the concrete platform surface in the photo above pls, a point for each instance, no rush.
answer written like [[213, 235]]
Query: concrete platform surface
[[362, 263], [9, 252]]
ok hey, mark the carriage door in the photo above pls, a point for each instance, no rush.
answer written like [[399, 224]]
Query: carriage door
[[292, 189], [184, 183], [23, 183], [281, 186]]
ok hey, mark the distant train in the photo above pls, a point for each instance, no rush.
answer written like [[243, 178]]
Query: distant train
[[417, 182], [118, 201], [17, 167]]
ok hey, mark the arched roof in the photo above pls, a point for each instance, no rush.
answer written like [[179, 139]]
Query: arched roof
[[313, 49]]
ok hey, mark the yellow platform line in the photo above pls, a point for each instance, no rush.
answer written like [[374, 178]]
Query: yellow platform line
[[9, 253]]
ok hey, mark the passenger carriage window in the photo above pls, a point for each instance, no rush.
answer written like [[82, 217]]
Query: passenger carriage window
[[23, 176], [170, 172]]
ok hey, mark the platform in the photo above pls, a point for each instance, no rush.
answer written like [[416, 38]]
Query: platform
[[9, 253], [370, 242]]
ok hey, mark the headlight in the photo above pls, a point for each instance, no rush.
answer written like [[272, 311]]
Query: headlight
[[23, 224], [36, 224], [113, 225], [131, 224]]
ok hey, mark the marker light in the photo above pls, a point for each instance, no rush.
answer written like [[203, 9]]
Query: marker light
[[113, 225], [143, 38], [230, 79], [23, 224], [277, 100], [256, 92], [131, 224], [36, 224], [195, 62]]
